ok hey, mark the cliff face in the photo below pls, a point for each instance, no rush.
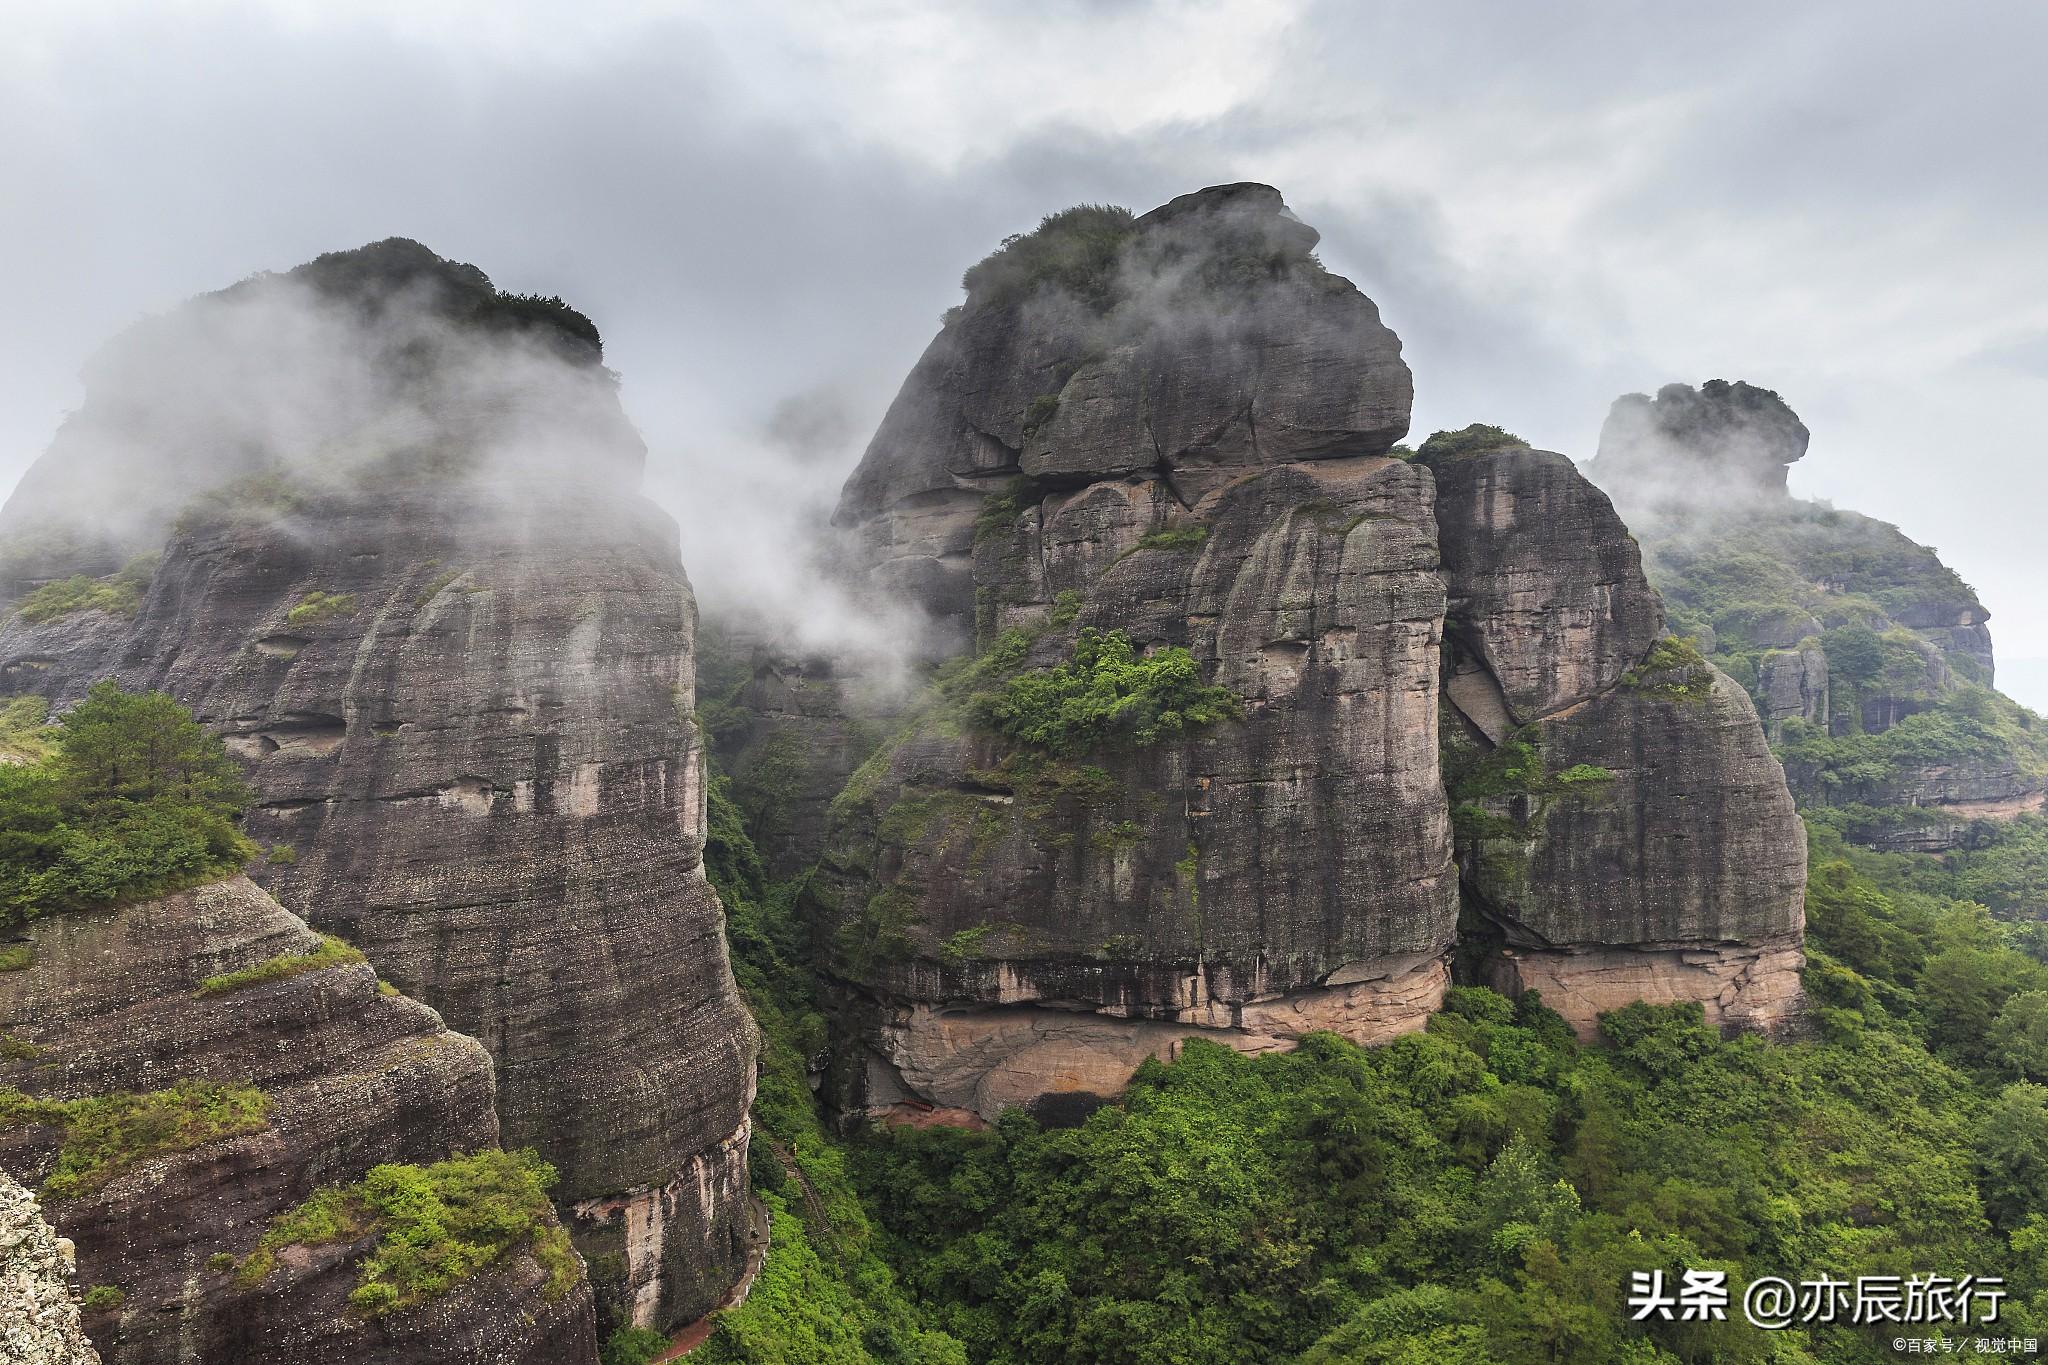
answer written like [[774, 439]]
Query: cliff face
[[1868, 658], [460, 674], [1624, 832], [1021, 909], [350, 1077]]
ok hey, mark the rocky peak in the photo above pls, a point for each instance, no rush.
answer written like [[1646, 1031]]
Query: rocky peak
[[1192, 343], [1734, 437]]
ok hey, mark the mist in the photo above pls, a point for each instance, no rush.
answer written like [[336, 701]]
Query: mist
[[761, 209]]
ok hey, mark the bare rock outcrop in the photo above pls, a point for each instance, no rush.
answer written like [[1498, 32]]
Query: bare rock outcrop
[[1196, 340], [1841, 628], [453, 645], [1629, 830], [351, 1075], [38, 1307]]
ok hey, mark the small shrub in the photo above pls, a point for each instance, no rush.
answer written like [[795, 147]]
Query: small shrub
[[282, 855], [317, 606], [332, 952], [102, 1298], [16, 958], [1176, 538], [1106, 693], [109, 1134], [434, 1226], [1476, 439], [13, 1049], [118, 594], [1582, 775], [966, 945], [1673, 670]]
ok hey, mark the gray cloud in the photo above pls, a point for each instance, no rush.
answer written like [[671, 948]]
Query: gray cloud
[[766, 211]]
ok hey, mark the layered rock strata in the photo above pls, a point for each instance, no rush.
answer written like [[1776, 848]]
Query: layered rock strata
[[459, 671], [1020, 925], [1623, 826], [352, 1076], [1840, 627]]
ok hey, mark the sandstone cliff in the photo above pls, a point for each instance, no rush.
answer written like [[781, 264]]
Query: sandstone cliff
[[1868, 658], [213, 1105], [1623, 830], [1147, 436], [454, 647]]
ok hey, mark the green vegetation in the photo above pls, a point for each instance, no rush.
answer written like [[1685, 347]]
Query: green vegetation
[[1076, 250], [13, 1049], [25, 732], [1673, 670], [1105, 694], [102, 1298], [118, 594], [262, 496], [434, 1226], [17, 958], [825, 1294], [633, 1346], [1176, 538], [317, 606], [134, 800], [1969, 725], [1487, 1186], [1476, 439], [109, 1134], [332, 952]]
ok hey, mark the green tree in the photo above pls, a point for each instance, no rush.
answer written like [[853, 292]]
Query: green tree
[[2019, 1036], [2012, 1154], [139, 746]]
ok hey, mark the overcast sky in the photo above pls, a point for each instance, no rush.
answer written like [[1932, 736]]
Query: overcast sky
[[766, 206]]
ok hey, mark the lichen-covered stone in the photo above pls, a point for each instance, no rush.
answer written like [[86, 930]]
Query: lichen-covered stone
[[38, 1306], [354, 1077]]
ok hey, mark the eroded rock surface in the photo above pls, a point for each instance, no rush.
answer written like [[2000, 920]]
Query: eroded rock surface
[[38, 1306], [1840, 627], [453, 646], [354, 1077], [1637, 832]]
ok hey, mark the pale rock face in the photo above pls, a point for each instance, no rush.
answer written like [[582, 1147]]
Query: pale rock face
[[38, 1310], [355, 1078], [981, 1060], [1750, 987]]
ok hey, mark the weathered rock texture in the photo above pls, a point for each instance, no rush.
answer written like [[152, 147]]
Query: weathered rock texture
[[461, 678], [1208, 341], [38, 1310], [1632, 836], [1840, 627], [355, 1077], [1187, 446]]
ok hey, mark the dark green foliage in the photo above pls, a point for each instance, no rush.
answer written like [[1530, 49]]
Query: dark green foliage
[[1105, 694], [434, 1226], [1480, 1192], [102, 1298], [1971, 725], [136, 800], [1476, 439], [369, 275], [109, 1134], [633, 1346], [1075, 250], [118, 594], [332, 952]]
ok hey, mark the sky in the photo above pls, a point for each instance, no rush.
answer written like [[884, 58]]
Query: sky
[[765, 207]]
